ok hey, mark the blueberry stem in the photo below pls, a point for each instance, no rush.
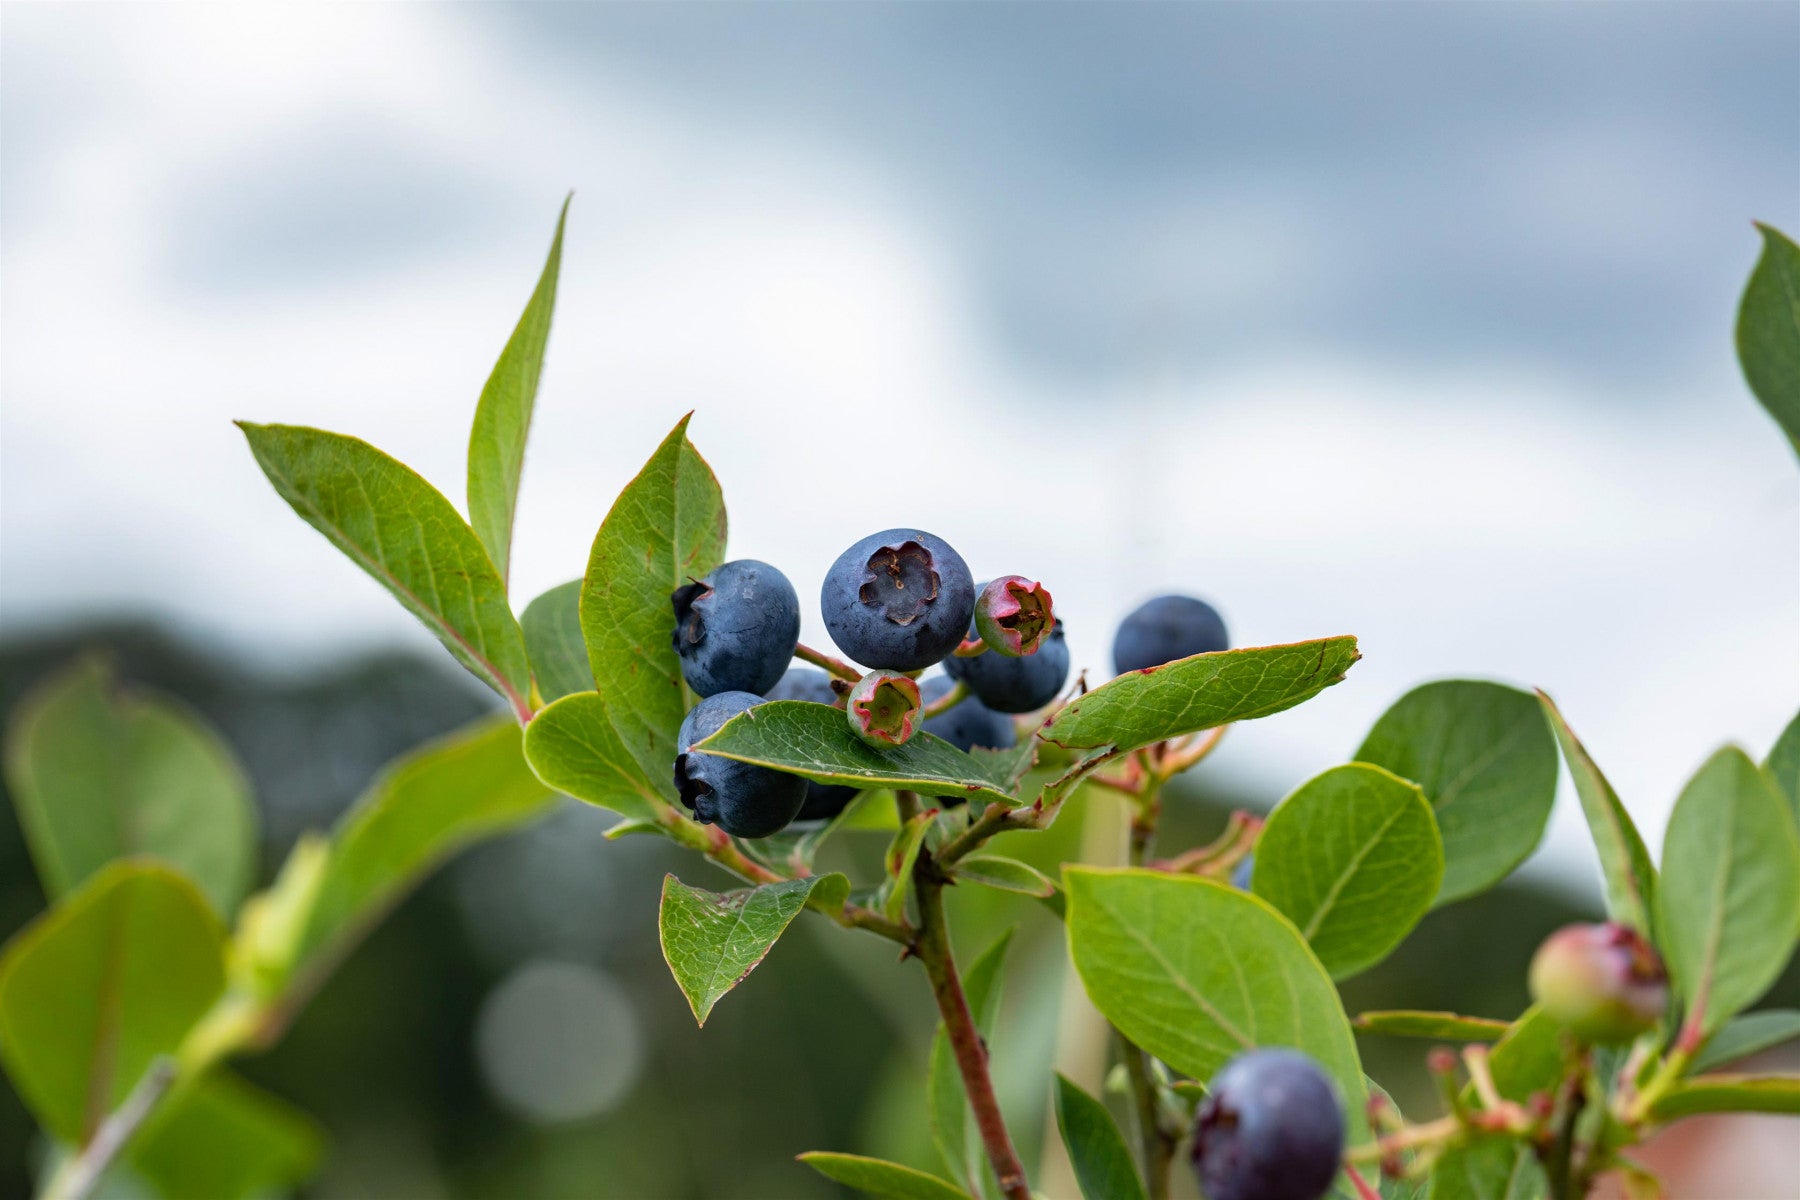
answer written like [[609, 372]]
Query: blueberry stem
[[1364, 1190], [943, 704], [932, 946], [835, 666]]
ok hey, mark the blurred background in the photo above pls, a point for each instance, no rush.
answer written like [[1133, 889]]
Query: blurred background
[[1404, 321]]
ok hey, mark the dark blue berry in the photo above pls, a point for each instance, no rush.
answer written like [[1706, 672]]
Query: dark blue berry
[[1240, 874], [970, 724], [1164, 629], [736, 629], [1016, 685], [898, 600], [823, 800], [1270, 1128], [743, 799]]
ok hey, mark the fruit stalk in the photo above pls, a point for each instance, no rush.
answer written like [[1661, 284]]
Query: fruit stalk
[[933, 950]]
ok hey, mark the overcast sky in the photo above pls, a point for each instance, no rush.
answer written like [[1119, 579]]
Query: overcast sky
[[1411, 322]]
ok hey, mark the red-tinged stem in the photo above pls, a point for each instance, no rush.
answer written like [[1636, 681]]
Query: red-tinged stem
[[1364, 1190], [933, 949], [944, 703], [835, 666]]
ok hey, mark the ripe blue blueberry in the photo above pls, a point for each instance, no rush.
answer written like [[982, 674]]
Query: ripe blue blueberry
[[736, 629], [1240, 874], [1016, 685], [1164, 629], [823, 800], [898, 600], [743, 799], [1271, 1128], [969, 724]]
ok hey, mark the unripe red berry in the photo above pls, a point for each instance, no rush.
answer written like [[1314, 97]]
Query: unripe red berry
[[1604, 982], [884, 708], [1014, 615]]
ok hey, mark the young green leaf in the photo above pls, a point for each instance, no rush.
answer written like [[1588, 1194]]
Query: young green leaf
[[402, 531], [1488, 1168], [1768, 331], [1624, 862], [1006, 874], [575, 747], [1196, 972], [666, 528], [1729, 1093], [1749, 1034], [1783, 764], [1731, 888], [1487, 763], [99, 775], [1528, 1058], [1143, 707], [469, 785], [902, 853], [1439, 1026], [949, 1105], [1097, 1150], [814, 740], [225, 1139], [503, 414], [95, 990], [882, 1180], [711, 941], [1352, 858], [552, 627]]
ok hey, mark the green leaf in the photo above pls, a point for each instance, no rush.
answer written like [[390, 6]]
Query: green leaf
[[1529, 1057], [1731, 888], [711, 941], [1096, 1148], [224, 1139], [95, 990], [402, 531], [949, 1104], [815, 740], [902, 853], [1202, 692], [574, 746], [1008, 766], [1196, 972], [1624, 862], [1439, 1026], [1768, 331], [99, 775], [883, 1180], [503, 415], [1783, 764], [464, 787], [1729, 1093], [1749, 1034], [1006, 874], [666, 527], [552, 626], [1487, 764], [1488, 1168], [1352, 858]]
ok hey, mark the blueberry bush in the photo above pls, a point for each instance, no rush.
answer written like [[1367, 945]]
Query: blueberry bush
[[661, 686]]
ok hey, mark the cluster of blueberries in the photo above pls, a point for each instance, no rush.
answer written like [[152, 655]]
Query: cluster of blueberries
[[897, 602]]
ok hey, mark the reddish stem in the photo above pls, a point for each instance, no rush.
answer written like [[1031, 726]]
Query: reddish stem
[[933, 949]]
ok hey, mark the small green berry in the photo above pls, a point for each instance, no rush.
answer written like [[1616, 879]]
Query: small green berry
[[1604, 982], [884, 708]]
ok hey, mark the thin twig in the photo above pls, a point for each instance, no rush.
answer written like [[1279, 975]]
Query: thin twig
[[933, 949], [835, 666], [79, 1175]]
